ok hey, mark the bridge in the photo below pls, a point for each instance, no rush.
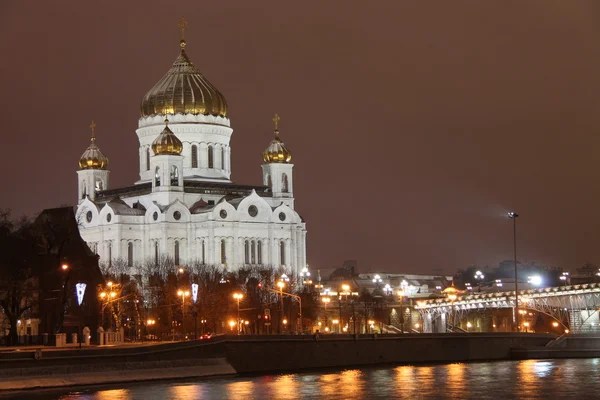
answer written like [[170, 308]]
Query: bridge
[[575, 307]]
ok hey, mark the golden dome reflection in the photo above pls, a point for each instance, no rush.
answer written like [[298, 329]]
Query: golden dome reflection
[[92, 157], [183, 90], [277, 152], [167, 142]]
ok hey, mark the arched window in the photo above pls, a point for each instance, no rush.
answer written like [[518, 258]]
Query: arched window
[[203, 253], [223, 254], [259, 252], [284, 183], [210, 157], [268, 181], [282, 252], [253, 252], [99, 185], [109, 254], [174, 176], [194, 156], [84, 191], [157, 177], [176, 253], [222, 158], [156, 252], [246, 253], [130, 254], [148, 159]]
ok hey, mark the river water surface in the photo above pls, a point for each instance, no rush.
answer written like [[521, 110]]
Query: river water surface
[[531, 379]]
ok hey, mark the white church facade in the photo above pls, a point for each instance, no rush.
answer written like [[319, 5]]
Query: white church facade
[[185, 206]]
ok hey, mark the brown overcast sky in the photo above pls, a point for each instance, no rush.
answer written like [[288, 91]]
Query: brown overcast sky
[[415, 125]]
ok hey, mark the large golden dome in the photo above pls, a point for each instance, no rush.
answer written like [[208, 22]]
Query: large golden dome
[[167, 142], [183, 90], [277, 152], [92, 157]]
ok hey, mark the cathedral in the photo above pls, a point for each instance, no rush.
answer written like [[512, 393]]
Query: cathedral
[[184, 205]]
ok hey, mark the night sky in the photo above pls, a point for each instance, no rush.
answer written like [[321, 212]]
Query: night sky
[[414, 126]]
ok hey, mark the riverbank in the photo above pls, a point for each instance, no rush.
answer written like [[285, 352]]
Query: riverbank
[[230, 355]]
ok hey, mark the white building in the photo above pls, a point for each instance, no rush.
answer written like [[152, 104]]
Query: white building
[[185, 205]]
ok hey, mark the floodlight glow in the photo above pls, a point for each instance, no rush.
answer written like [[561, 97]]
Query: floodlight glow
[[535, 280]]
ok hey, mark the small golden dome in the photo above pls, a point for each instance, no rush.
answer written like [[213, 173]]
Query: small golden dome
[[183, 90], [92, 157], [167, 142], [277, 152]]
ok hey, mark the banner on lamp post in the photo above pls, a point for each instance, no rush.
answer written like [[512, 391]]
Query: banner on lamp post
[[80, 292], [194, 292]]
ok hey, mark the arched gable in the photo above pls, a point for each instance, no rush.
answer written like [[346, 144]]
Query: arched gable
[[291, 216], [246, 209], [149, 216], [230, 214], [177, 212], [82, 216]]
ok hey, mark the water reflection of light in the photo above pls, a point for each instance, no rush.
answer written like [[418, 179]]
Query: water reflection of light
[[527, 379], [237, 390], [285, 387], [113, 394], [426, 379], [352, 383], [186, 391], [405, 382], [456, 382]]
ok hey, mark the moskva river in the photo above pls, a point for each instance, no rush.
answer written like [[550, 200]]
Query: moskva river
[[532, 379]]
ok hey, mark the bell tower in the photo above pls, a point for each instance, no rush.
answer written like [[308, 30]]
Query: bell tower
[[93, 170]]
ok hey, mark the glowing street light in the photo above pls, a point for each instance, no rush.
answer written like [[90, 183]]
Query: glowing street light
[[513, 215], [377, 280], [387, 289], [305, 274], [479, 277], [183, 295], [238, 297], [564, 277]]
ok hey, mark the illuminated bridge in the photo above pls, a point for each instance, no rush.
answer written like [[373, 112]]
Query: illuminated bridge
[[574, 307]]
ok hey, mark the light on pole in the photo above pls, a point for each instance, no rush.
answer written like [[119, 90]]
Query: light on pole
[[183, 295], [564, 277], [479, 277], [238, 297], [513, 215], [281, 285]]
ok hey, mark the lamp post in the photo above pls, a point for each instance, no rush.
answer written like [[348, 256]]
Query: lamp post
[[183, 295], [238, 297], [281, 285], [479, 277], [565, 277], [513, 215], [400, 294]]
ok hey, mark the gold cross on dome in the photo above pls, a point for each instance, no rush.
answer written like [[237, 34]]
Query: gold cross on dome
[[92, 127], [276, 122], [182, 24]]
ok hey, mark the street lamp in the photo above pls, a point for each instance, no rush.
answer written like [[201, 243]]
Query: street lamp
[[281, 285], [305, 274], [479, 277], [387, 289], [513, 215], [564, 277], [183, 295], [238, 297], [400, 294]]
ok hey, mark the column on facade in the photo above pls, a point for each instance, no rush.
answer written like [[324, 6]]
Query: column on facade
[[229, 251], [288, 255], [203, 155]]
